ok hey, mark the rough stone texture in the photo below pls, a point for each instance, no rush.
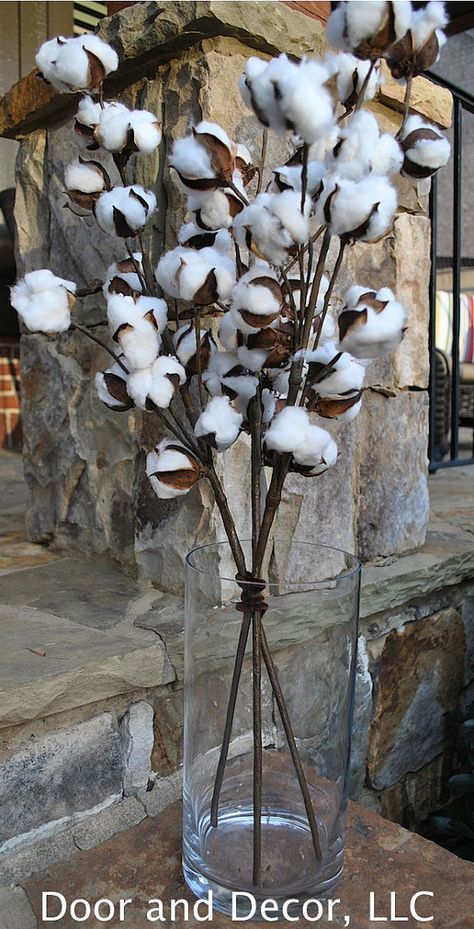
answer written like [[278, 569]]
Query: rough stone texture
[[323, 511], [137, 733], [362, 719], [419, 793], [419, 675], [81, 665], [102, 826], [380, 856], [35, 857], [165, 791], [432, 101], [15, 909], [71, 771], [394, 502]]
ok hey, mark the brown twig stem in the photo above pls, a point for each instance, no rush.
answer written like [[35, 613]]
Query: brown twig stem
[[276, 687], [94, 338], [263, 155], [304, 176], [234, 689], [365, 82], [406, 105], [257, 632]]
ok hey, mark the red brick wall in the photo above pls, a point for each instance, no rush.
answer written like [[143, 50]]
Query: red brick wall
[[312, 8], [10, 425], [318, 10]]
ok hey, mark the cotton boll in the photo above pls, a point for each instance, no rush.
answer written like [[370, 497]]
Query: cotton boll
[[79, 63], [419, 49], [229, 335], [273, 225], [317, 453], [306, 102], [226, 376], [140, 344], [360, 210], [172, 469], [253, 359], [86, 177], [134, 326], [426, 21], [258, 90], [345, 374], [290, 178], [192, 161], [425, 149], [219, 424], [205, 160], [352, 155], [213, 209], [219, 365], [256, 298], [124, 211], [253, 67], [44, 301], [146, 131], [203, 275], [368, 28], [111, 386], [350, 75], [192, 236], [387, 157], [185, 343], [287, 430], [372, 326], [122, 277], [87, 118], [156, 385]]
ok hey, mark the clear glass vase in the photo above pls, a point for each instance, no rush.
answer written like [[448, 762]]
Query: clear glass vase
[[268, 822]]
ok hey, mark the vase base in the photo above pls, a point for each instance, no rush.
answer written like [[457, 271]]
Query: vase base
[[246, 906]]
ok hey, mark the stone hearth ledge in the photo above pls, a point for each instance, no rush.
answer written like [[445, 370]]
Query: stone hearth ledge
[[149, 34], [144, 862], [104, 635]]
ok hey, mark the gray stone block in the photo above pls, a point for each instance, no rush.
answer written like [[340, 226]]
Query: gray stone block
[[101, 826], [60, 775], [33, 858], [15, 909], [138, 736], [164, 792]]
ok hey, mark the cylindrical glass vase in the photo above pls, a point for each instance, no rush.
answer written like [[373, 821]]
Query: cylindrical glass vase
[[309, 617]]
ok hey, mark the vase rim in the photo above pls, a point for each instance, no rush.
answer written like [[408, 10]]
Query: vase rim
[[351, 571]]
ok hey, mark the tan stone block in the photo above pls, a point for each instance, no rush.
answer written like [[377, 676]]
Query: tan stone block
[[427, 98], [412, 800], [419, 677], [393, 488]]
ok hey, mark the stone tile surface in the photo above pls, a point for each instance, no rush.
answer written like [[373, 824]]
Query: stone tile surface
[[49, 664], [144, 863]]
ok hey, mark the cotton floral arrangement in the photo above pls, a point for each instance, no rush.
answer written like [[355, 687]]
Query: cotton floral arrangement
[[235, 329]]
